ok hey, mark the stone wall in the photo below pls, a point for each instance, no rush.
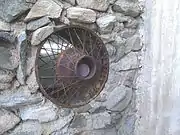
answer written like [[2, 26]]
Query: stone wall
[[24, 110]]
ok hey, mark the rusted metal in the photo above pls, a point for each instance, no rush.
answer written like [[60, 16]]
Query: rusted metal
[[72, 66]]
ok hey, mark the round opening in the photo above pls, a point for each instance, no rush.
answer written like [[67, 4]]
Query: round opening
[[86, 67]]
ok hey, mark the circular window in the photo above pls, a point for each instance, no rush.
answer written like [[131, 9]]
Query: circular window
[[72, 66]]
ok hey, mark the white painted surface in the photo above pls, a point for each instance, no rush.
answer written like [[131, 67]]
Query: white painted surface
[[158, 94]]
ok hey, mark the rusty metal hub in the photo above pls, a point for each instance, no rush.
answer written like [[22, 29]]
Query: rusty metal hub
[[72, 66]]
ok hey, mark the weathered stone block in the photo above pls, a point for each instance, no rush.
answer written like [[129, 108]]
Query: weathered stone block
[[56, 125], [106, 23], [11, 9], [20, 97], [7, 120], [100, 5], [42, 112], [133, 44], [119, 98], [130, 61], [127, 7], [42, 8], [28, 128], [40, 34], [4, 26], [81, 14], [33, 25]]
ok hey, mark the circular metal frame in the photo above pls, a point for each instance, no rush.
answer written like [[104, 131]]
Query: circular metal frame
[[90, 76]]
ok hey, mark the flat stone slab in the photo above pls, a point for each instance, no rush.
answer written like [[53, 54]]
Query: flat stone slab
[[7, 120], [81, 14], [42, 8], [11, 9]]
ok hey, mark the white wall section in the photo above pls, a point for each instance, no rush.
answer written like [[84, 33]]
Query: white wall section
[[158, 94]]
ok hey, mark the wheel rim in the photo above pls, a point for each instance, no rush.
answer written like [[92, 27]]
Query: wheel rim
[[72, 66]]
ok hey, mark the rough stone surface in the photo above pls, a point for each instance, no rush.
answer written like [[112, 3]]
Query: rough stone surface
[[17, 98], [18, 27], [22, 50], [72, 2], [126, 33], [6, 76], [42, 8], [106, 23], [8, 58], [28, 128], [121, 17], [81, 14], [90, 122], [100, 5], [130, 61], [42, 112], [7, 120], [118, 99], [133, 43], [40, 34], [11, 9], [32, 82], [33, 25], [127, 8], [4, 26], [131, 23], [53, 126], [5, 86], [127, 125], [100, 132]]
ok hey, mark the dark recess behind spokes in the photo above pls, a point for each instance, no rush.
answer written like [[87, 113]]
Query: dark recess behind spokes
[[72, 66]]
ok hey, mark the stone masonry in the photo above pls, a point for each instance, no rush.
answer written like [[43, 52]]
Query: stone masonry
[[24, 110]]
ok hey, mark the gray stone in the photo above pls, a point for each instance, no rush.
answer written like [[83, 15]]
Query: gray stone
[[63, 112], [93, 121], [19, 97], [5, 86], [34, 25], [133, 44], [41, 34], [31, 1], [91, 26], [107, 38], [81, 14], [18, 27], [127, 8], [7, 120], [119, 44], [100, 132], [42, 8], [126, 33], [8, 58], [32, 82], [131, 23], [121, 17], [56, 125], [127, 125], [45, 112], [83, 109], [4, 26], [119, 98], [72, 2], [79, 122], [106, 23], [11, 9], [28, 128], [130, 61], [6, 76], [118, 27], [22, 51], [100, 5]]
